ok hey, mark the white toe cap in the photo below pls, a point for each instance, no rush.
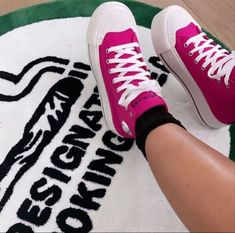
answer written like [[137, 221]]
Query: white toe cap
[[109, 17]]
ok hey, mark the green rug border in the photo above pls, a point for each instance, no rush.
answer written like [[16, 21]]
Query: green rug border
[[69, 8], [56, 9]]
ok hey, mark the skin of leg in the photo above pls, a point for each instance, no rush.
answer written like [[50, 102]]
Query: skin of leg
[[198, 181]]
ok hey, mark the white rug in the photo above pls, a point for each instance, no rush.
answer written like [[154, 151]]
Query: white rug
[[60, 167]]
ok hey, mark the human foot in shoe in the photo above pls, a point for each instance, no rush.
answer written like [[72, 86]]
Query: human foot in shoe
[[205, 70], [122, 76]]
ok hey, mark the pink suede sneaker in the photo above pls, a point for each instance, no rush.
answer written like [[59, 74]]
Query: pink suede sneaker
[[205, 70], [122, 76]]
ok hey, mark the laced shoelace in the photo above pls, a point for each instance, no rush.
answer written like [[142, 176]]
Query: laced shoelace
[[222, 62], [130, 91]]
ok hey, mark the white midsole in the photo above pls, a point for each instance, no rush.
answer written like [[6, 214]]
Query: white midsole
[[101, 87]]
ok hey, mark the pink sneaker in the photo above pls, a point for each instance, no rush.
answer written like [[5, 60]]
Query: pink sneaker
[[205, 70], [122, 76]]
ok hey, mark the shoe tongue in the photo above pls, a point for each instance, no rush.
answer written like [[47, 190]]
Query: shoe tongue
[[190, 31], [218, 59], [193, 30], [135, 82], [125, 37], [120, 38]]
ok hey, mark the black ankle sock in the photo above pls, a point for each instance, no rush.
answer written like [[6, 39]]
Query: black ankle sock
[[150, 120]]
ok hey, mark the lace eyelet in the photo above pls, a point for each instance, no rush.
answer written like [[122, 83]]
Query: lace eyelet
[[195, 61], [130, 114], [110, 72], [185, 45], [190, 54], [228, 86], [202, 68], [107, 51], [113, 81], [107, 61], [116, 90]]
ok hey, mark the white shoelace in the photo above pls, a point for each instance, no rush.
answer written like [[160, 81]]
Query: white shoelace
[[221, 68], [131, 91]]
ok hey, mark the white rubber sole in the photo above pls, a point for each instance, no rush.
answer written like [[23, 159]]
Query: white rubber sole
[[101, 22], [102, 90], [170, 58]]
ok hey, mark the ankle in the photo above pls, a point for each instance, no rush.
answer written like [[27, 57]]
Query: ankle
[[149, 121]]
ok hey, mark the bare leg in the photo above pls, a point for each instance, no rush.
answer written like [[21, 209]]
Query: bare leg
[[198, 181]]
